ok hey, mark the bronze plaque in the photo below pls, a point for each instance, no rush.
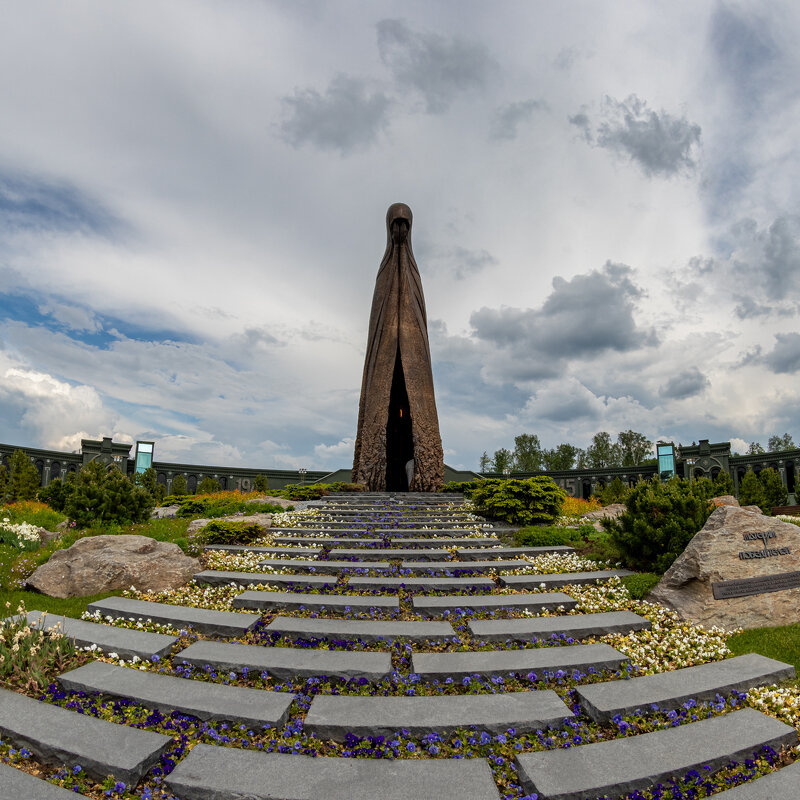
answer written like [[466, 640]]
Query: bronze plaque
[[724, 590]]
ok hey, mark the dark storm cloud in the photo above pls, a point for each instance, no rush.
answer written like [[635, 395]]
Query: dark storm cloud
[[748, 308], [583, 317], [346, 118], [660, 143], [508, 118], [686, 384], [785, 356], [437, 67], [769, 258], [29, 202], [744, 48]]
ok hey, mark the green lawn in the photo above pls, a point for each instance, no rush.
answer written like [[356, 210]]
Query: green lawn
[[68, 607], [781, 642]]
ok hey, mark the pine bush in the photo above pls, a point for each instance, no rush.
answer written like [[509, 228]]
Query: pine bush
[[520, 502]]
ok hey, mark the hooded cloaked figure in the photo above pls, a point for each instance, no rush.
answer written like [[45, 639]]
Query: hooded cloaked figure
[[398, 428]]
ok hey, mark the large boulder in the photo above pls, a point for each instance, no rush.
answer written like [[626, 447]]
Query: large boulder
[[736, 572], [106, 563]]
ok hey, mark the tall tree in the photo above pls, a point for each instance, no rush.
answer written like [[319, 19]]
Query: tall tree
[[527, 453], [23, 478], [755, 449], [602, 452], [634, 447], [503, 460], [484, 463], [777, 443], [559, 458]]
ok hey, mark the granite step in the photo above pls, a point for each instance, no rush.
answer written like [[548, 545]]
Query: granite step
[[783, 783], [391, 553], [368, 631], [266, 550], [18, 785], [315, 529], [561, 579], [202, 620], [436, 605], [334, 716], [583, 657], [322, 566], [204, 700], [577, 626], [227, 773], [124, 642], [328, 541], [478, 553], [668, 690], [287, 662], [216, 577], [632, 763], [425, 529], [442, 541], [264, 601], [57, 736], [465, 566], [421, 584]]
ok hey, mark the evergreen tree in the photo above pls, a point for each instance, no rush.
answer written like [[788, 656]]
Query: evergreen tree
[[3, 482], [148, 480], [261, 483], [103, 495], [723, 483], [208, 485], [56, 492], [775, 493], [179, 485], [485, 462], [23, 478], [751, 490]]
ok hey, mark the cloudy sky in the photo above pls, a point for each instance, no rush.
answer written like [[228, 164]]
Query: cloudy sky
[[606, 204]]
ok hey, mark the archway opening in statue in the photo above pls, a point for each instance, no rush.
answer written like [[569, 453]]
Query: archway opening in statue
[[399, 433]]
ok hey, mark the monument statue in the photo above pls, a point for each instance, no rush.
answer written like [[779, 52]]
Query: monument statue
[[398, 445]]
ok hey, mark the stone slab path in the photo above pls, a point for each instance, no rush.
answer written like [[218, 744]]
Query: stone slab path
[[601, 701], [368, 631], [333, 717], [215, 577], [421, 584], [18, 785], [436, 605], [57, 736], [577, 626], [287, 662], [636, 762], [110, 639], [212, 623], [224, 773], [206, 701], [561, 579], [264, 601]]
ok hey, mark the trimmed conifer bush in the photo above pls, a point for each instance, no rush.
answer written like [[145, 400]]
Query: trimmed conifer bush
[[520, 502]]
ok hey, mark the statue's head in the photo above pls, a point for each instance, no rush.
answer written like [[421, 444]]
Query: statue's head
[[398, 222]]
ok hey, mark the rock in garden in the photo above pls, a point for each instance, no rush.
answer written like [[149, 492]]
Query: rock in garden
[[105, 563], [165, 512], [724, 500], [741, 570]]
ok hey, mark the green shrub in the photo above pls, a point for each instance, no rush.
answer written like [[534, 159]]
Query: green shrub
[[615, 492], [751, 491], [520, 502], [462, 487], [775, 493], [218, 532], [103, 495], [723, 483], [34, 513], [57, 492], [545, 537], [208, 485], [660, 520], [261, 483], [293, 491], [222, 505], [641, 584], [179, 485]]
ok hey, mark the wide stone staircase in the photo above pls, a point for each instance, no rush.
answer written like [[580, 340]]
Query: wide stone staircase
[[401, 591]]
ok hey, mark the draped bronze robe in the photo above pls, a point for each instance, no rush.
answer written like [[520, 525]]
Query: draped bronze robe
[[397, 419]]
